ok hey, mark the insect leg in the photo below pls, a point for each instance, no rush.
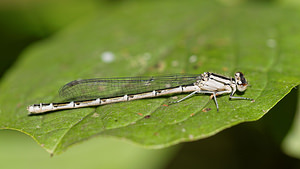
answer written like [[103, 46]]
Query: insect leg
[[214, 95], [191, 94], [236, 97], [242, 98]]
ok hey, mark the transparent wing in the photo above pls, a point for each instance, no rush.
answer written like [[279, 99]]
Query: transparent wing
[[111, 87]]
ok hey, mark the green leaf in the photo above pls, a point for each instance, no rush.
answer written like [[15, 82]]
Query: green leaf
[[149, 38]]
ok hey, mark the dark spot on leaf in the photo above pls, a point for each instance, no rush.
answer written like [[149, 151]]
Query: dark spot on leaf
[[206, 109]]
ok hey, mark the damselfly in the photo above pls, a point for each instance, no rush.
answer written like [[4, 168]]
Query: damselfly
[[101, 91]]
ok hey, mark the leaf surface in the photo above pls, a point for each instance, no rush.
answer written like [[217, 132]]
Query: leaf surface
[[150, 38]]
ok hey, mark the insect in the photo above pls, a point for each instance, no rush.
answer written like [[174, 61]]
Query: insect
[[101, 91]]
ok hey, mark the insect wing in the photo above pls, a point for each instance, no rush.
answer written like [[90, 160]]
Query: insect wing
[[111, 87]]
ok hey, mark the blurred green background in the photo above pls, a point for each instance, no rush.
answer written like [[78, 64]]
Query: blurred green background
[[248, 145]]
